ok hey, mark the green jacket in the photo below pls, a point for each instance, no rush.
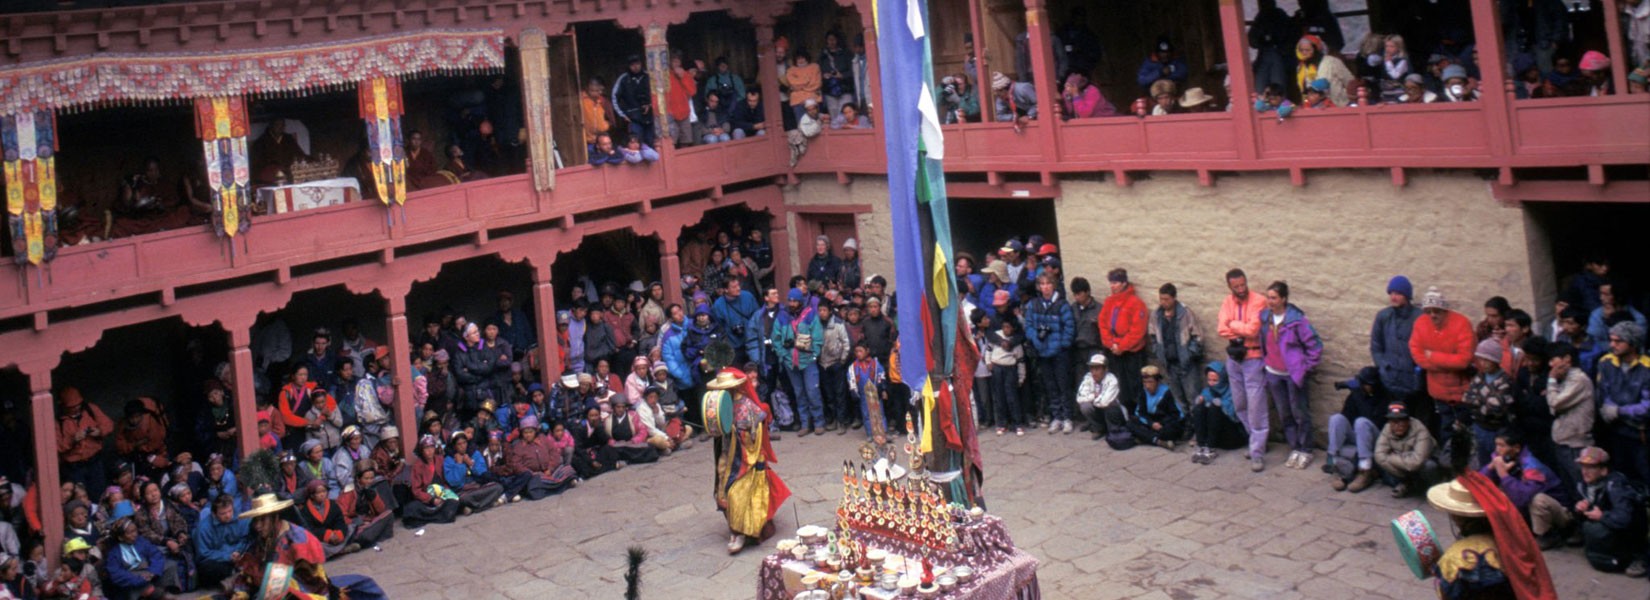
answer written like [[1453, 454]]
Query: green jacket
[[792, 354]]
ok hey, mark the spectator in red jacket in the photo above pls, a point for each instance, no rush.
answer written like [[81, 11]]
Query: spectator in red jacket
[[1442, 345], [1123, 327]]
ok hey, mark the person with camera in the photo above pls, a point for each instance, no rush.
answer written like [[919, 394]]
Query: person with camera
[[732, 311], [1356, 426], [797, 339], [1239, 325], [959, 101], [1050, 328], [81, 429]]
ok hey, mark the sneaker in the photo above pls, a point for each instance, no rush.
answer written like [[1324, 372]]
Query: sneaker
[[1053, 426], [1257, 464], [830, 426], [619, 465], [1166, 444], [1400, 490], [1209, 456], [1019, 431], [1001, 431], [1548, 541], [1294, 458], [351, 548], [515, 498], [1197, 456], [1065, 427], [465, 511], [1304, 461], [1635, 570]]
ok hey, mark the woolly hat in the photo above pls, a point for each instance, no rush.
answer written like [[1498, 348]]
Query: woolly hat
[[1454, 72], [850, 244], [529, 422], [442, 356], [999, 81], [1489, 349], [1434, 299], [1400, 284], [1629, 332], [796, 295], [1594, 60]]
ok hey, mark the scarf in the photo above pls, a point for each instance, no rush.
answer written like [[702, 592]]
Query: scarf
[[1521, 559], [1308, 70], [1152, 400]]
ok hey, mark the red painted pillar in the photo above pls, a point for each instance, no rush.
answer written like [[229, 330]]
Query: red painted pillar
[[767, 73], [1620, 61], [395, 326], [670, 269], [544, 313], [1043, 75], [47, 478], [244, 394], [976, 27], [1233, 32], [873, 74], [1492, 90], [779, 236]]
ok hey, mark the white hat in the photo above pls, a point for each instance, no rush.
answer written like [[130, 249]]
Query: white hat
[[1098, 360], [850, 244], [1434, 299], [570, 380]]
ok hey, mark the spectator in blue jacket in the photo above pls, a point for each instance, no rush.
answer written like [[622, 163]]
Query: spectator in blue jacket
[[1613, 308], [137, 568], [1389, 340], [670, 350], [219, 540], [1162, 64], [732, 312], [1050, 328], [1624, 399]]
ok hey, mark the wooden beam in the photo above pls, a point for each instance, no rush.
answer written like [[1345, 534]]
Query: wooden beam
[[1635, 192]]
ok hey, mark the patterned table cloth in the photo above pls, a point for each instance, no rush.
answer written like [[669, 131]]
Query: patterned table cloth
[[1002, 572], [304, 196]]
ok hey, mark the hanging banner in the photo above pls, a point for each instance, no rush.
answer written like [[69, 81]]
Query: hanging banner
[[28, 140], [106, 79], [380, 100], [221, 124]]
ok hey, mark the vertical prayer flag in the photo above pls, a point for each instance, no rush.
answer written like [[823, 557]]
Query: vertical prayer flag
[[923, 274], [221, 124], [380, 104], [28, 141]]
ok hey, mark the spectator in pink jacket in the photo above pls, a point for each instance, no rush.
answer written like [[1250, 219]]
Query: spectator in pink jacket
[[1082, 100]]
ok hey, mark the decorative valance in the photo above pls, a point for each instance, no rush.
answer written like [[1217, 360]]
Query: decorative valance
[[131, 78]]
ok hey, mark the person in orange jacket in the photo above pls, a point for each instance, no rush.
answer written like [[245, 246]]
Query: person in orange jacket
[[81, 429], [1239, 325], [1123, 327], [1442, 345]]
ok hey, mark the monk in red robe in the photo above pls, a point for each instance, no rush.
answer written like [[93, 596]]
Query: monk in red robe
[[273, 153]]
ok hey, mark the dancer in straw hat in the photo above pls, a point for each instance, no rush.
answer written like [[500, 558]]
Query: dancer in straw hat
[[747, 490]]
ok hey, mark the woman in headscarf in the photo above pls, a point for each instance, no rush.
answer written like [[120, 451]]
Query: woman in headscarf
[[465, 470], [592, 455], [1316, 63], [365, 509], [1214, 418], [430, 500], [217, 424], [499, 469], [160, 522], [546, 462], [325, 520], [220, 480], [627, 434], [294, 405], [636, 383], [313, 465], [136, 566]]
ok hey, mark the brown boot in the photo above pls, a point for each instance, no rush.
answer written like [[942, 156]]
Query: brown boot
[[1337, 484], [1364, 479]]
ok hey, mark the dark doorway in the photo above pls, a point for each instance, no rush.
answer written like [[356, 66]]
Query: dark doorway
[[1576, 231], [981, 226], [16, 433], [614, 257]]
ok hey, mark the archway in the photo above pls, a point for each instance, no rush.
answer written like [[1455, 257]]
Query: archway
[[725, 228], [475, 288]]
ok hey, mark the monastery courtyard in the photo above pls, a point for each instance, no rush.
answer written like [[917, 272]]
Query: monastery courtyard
[[1144, 523]]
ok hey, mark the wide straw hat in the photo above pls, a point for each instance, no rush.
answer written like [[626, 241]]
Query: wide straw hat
[[725, 381], [266, 504], [1454, 499]]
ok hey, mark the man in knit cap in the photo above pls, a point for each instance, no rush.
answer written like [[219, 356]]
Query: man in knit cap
[[1442, 344], [1488, 399], [1388, 339], [1623, 407]]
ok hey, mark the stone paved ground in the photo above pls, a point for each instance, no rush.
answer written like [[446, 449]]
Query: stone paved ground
[[1145, 523]]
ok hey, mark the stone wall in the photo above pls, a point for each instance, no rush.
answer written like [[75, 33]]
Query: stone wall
[[876, 246], [1336, 241]]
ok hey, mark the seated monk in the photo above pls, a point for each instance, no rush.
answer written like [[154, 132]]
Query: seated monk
[[422, 172], [78, 221], [458, 167], [145, 205], [273, 153]]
